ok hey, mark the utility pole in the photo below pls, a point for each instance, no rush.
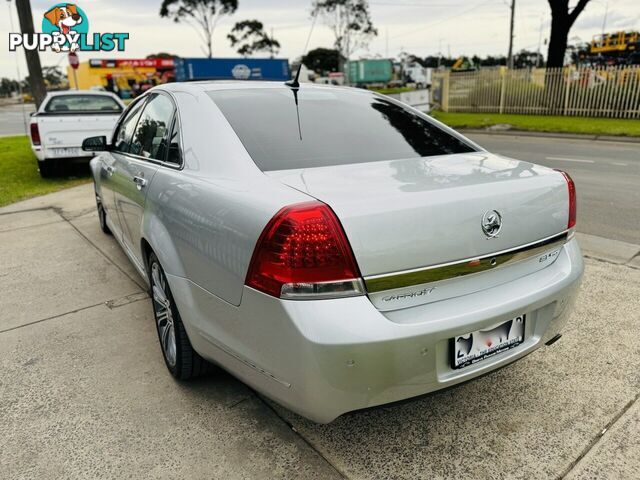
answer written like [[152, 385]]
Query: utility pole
[[36, 82], [386, 50], [538, 55], [510, 55]]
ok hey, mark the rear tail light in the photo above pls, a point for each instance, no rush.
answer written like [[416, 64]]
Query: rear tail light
[[303, 253], [572, 199], [35, 134]]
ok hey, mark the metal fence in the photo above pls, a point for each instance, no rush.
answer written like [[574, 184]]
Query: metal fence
[[588, 92]]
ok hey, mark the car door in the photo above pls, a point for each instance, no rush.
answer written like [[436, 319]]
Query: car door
[[108, 178], [136, 168]]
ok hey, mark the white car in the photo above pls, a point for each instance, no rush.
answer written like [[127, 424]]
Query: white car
[[65, 119], [332, 247]]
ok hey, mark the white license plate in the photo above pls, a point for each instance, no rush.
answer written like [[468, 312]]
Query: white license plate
[[479, 345], [65, 152]]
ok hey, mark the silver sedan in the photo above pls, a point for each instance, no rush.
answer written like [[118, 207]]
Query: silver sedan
[[331, 247]]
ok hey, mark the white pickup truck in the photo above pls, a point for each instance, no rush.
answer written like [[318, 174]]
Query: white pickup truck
[[65, 119]]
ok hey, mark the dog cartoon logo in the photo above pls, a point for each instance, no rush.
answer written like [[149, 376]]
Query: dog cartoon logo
[[65, 28], [65, 19]]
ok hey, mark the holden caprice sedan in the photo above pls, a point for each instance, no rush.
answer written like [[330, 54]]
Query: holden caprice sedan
[[331, 247]]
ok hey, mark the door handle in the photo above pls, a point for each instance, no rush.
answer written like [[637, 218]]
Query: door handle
[[139, 181], [110, 169]]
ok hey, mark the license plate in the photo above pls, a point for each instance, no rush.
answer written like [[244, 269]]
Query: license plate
[[476, 346], [65, 152]]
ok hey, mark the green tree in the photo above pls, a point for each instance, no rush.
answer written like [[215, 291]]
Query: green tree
[[160, 55], [527, 59], [249, 36], [350, 21], [53, 76], [8, 87], [322, 60], [202, 15]]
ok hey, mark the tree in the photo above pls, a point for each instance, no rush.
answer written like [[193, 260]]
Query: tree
[[53, 76], [251, 38], [36, 83], [8, 87], [351, 23], [406, 57], [322, 60], [527, 59], [561, 22], [162, 55], [202, 15]]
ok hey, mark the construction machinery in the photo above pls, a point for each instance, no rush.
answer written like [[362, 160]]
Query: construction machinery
[[618, 48]]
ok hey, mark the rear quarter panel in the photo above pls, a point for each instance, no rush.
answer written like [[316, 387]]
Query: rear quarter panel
[[203, 221]]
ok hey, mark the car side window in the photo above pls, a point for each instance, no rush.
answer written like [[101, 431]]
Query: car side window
[[151, 136], [174, 155], [122, 138]]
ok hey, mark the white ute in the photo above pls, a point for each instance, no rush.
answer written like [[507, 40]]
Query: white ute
[[65, 119]]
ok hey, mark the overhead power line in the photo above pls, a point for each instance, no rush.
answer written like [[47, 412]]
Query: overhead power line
[[456, 15]]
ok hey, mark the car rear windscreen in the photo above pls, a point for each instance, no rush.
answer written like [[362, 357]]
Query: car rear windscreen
[[320, 127], [82, 104]]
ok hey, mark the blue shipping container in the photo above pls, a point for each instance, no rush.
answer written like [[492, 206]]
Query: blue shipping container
[[232, 69]]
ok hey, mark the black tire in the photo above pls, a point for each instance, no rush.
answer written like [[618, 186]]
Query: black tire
[[47, 168], [185, 363], [102, 216]]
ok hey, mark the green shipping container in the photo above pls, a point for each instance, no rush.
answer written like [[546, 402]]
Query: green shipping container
[[370, 71]]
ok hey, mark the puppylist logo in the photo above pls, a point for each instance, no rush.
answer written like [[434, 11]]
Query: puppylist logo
[[65, 28]]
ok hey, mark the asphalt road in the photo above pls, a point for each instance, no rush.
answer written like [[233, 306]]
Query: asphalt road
[[607, 177], [13, 119]]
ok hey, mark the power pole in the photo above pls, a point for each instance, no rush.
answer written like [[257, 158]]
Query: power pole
[[538, 55], [510, 55], [36, 82]]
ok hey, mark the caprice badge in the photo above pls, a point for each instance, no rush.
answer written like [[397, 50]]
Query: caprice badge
[[491, 223]]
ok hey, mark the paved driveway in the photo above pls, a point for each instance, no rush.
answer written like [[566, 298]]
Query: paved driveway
[[84, 391]]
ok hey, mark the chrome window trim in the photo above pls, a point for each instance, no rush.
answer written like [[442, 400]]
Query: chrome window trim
[[468, 266], [174, 117]]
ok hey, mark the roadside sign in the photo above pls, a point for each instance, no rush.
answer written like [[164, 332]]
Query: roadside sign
[[74, 61]]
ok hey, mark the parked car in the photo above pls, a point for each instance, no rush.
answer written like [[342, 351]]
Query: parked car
[[64, 119], [333, 248]]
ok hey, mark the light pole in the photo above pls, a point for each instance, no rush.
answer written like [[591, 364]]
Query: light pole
[[604, 20], [511, 23], [539, 40]]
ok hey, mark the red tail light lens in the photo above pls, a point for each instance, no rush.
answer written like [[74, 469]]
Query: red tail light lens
[[572, 199], [35, 134], [304, 253]]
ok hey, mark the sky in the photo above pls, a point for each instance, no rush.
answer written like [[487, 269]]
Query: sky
[[420, 27]]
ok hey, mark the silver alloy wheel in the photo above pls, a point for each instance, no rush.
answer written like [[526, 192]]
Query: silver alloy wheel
[[163, 313]]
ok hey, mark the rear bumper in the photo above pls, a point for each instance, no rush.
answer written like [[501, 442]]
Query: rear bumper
[[42, 153], [328, 357]]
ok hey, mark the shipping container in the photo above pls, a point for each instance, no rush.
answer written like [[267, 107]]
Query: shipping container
[[232, 69], [369, 71]]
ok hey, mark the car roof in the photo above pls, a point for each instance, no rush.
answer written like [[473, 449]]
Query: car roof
[[218, 85], [78, 92]]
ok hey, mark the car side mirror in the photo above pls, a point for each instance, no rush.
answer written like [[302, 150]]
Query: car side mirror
[[95, 144]]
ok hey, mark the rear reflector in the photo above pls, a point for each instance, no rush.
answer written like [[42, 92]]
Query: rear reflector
[[35, 134], [303, 253], [572, 199]]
